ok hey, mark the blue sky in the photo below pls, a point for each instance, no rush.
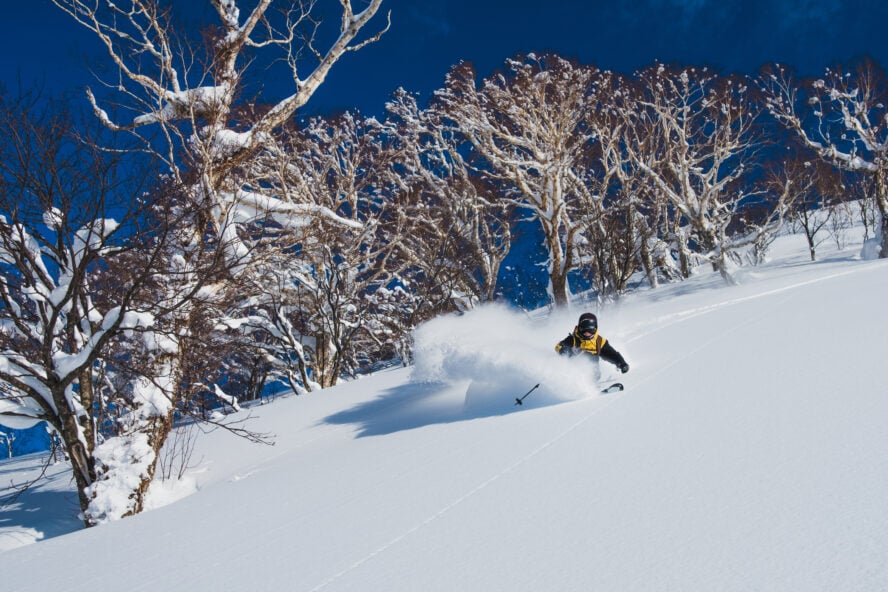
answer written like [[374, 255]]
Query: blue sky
[[429, 36]]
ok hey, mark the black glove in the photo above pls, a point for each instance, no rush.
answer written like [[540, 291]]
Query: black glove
[[624, 368]]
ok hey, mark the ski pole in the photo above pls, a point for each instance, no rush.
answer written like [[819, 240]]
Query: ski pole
[[520, 400]]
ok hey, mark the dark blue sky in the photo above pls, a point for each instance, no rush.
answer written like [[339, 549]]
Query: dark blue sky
[[427, 37]]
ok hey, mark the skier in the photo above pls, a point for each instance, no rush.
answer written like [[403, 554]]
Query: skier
[[586, 341]]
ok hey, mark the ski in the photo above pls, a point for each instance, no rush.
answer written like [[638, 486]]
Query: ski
[[614, 388]]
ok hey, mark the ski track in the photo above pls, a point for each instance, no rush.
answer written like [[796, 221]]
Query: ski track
[[667, 321]]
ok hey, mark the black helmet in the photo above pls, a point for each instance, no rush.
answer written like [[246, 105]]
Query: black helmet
[[587, 326]]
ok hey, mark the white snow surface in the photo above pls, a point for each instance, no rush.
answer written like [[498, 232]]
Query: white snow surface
[[748, 452]]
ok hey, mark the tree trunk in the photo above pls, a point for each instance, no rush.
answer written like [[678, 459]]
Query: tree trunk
[[87, 399], [82, 464], [557, 275], [158, 429], [812, 248], [79, 454], [882, 204], [883, 244], [303, 373], [326, 361], [558, 286], [647, 263], [645, 253], [684, 255]]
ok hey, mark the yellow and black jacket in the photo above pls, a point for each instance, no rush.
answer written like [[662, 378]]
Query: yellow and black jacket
[[597, 346]]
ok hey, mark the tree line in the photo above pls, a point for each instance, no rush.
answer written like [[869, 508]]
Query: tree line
[[186, 243]]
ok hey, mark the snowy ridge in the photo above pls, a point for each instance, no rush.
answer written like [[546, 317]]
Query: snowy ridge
[[747, 453]]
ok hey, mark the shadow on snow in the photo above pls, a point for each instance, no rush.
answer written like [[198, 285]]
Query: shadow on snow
[[415, 405]]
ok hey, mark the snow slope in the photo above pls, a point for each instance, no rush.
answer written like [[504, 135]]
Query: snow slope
[[747, 453]]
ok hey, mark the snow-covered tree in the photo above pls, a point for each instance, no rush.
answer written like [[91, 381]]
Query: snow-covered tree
[[60, 311], [843, 118], [620, 237], [319, 301], [182, 93], [463, 230], [699, 149], [529, 125], [189, 94], [342, 165], [809, 187]]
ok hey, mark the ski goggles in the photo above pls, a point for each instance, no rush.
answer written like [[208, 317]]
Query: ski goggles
[[587, 329]]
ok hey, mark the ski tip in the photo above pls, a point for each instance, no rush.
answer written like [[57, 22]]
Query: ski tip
[[614, 388]]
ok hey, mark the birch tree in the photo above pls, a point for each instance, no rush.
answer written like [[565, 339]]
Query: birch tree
[[319, 302], [843, 118], [463, 229], [703, 146], [620, 238], [528, 123], [809, 187], [59, 313], [190, 96], [182, 96], [343, 163]]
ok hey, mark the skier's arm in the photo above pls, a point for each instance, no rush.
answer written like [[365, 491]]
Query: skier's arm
[[565, 346], [614, 357]]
